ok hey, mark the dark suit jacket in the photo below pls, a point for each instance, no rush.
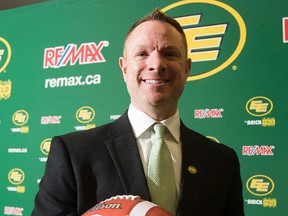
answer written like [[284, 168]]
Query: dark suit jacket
[[84, 168]]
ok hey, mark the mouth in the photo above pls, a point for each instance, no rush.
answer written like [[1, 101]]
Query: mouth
[[158, 81]]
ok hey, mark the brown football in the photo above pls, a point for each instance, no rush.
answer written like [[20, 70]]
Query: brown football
[[126, 205]]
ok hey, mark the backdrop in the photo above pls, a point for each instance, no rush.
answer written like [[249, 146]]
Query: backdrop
[[59, 73]]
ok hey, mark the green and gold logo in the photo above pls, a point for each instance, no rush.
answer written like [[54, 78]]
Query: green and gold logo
[[45, 146], [213, 139], [260, 185], [85, 114], [259, 106], [16, 176], [205, 23], [5, 54], [20, 117]]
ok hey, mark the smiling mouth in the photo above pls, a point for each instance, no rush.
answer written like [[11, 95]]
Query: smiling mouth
[[148, 81]]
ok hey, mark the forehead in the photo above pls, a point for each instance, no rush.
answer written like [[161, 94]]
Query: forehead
[[158, 32]]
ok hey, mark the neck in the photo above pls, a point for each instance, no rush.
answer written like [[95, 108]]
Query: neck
[[159, 113]]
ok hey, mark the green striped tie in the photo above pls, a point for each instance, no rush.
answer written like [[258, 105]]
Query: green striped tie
[[161, 177]]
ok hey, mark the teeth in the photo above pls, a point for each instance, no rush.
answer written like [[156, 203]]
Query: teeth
[[155, 81]]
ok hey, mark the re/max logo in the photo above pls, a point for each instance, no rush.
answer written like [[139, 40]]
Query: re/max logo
[[285, 29], [87, 53]]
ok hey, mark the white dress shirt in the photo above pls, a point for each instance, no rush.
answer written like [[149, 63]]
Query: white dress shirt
[[141, 125]]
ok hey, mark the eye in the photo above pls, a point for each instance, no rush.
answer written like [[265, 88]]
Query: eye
[[141, 54], [172, 55]]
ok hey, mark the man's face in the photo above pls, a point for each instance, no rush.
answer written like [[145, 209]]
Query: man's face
[[155, 66]]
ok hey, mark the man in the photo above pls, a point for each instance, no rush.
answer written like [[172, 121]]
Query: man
[[87, 167]]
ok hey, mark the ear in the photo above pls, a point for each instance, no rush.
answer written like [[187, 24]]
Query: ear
[[123, 66]]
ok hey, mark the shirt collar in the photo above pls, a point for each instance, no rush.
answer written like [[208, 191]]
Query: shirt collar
[[139, 127]]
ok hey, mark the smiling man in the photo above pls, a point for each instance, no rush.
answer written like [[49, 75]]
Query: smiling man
[[155, 68], [197, 176]]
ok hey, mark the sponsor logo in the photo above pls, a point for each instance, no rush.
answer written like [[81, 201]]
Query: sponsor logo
[[285, 29], [266, 202], [85, 115], [45, 120], [5, 89], [208, 113], [72, 81], [16, 177], [11, 210], [258, 150], [17, 150], [207, 36], [86, 53], [5, 54], [107, 206], [20, 118], [114, 117], [260, 106], [260, 185]]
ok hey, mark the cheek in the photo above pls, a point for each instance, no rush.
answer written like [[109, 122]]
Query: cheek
[[134, 71]]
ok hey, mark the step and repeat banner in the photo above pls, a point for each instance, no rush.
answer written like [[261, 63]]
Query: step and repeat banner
[[59, 73]]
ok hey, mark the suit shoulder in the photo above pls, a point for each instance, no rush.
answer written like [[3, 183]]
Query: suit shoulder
[[87, 133], [203, 143]]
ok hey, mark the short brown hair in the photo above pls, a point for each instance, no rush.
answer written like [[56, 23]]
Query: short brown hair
[[158, 15]]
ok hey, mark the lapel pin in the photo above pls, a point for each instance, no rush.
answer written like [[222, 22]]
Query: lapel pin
[[192, 169]]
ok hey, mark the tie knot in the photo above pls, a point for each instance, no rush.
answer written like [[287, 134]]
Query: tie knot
[[159, 129]]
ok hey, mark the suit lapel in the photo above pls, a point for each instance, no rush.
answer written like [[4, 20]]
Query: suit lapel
[[124, 152], [192, 169]]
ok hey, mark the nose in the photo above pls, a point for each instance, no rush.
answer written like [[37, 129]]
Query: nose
[[156, 62]]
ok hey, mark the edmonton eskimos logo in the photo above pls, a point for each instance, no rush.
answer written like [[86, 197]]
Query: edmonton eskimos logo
[[205, 23], [45, 146], [259, 106], [5, 54], [20, 117], [260, 185], [213, 139], [16, 176], [85, 114]]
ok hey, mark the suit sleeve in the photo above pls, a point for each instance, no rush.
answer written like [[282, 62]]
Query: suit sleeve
[[235, 206], [57, 189]]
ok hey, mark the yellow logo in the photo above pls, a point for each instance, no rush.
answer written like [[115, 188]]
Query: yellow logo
[[192, 169], [206, 45], [45, 146], [260, 185], [85, 114], [16, 176], [213, 139], [20, 117], [5, 89], [268, 122], [259, 106], [204, 40], [5, 54], [270, 202]]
